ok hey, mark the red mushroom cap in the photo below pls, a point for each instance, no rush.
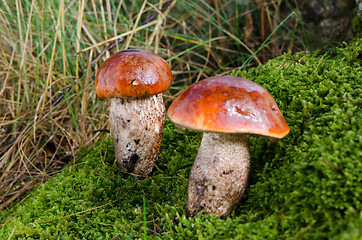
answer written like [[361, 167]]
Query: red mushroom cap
[[131, 74], [228, 104]]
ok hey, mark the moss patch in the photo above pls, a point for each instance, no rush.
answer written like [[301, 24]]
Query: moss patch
[[307, 186]]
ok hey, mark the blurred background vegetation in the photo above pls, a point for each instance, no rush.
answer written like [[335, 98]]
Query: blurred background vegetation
[[51, 50]]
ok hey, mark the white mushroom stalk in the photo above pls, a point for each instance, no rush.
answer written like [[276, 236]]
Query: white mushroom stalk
[[137, 130], [219, 175]]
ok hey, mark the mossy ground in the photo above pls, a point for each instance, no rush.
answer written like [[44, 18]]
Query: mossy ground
[[307, 186]]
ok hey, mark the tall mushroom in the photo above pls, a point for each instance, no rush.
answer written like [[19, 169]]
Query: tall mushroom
[[134, 80], [227, 109]]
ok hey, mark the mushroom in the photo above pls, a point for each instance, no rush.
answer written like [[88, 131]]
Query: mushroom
[[227, 109], [134, 80]]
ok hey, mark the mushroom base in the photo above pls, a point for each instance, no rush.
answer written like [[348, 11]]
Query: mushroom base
[[219, 175], [137, 129]]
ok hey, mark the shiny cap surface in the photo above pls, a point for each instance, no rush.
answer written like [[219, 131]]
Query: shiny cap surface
[[131, 74], [228, 104]]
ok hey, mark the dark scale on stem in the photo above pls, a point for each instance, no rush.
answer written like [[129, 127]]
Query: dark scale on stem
[[130, 165]]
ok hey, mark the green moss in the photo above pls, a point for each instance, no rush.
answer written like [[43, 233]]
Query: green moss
[[307, 186], [357, 25]]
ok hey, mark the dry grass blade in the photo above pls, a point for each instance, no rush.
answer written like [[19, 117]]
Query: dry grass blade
[[117, 37], [132, 32], [79, 28]]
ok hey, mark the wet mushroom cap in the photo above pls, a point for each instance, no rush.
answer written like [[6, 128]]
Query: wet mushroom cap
[[131, 74], [228, 104]]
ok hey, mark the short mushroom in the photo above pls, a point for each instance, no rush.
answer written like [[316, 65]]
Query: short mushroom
[[227, 109], [135, 80]]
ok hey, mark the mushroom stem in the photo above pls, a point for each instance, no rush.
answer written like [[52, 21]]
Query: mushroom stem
[[137, 129], [219, 175]]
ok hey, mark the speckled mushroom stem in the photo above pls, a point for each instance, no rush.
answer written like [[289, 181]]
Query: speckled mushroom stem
[[219, 175], [137, 129]]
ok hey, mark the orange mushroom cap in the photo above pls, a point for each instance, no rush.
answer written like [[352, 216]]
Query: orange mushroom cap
[[131, 74], [228, 104]]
